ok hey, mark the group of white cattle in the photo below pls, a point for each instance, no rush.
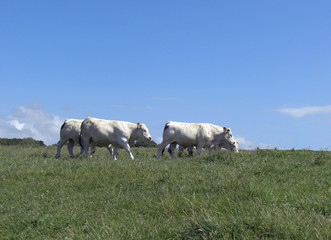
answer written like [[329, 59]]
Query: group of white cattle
[[114, 135]]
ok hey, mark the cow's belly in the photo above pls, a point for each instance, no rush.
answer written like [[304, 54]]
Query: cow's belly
[[187, 141], [103, 138]]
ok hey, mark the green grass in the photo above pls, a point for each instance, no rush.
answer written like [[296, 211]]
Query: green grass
[[263, 194]]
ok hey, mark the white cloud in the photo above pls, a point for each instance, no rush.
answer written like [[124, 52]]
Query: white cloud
[[247, 144], [303, 111], [31, 121], [244, 143], [19, 126]]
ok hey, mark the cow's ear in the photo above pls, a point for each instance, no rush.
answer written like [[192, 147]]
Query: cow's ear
[[224, 129], [228, 130], [138, 125]]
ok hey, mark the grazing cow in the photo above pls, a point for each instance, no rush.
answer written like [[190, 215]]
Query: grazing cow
[[200, 135], [69, 132], [99, 132], [233, 148]]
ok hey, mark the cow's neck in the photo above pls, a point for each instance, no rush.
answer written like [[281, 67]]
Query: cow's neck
[[133, 135], [219, 139]]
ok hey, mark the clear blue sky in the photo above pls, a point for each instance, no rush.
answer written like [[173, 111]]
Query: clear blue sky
[[262, 68]]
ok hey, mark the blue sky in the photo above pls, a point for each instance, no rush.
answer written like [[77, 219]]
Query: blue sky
[[261, 68]]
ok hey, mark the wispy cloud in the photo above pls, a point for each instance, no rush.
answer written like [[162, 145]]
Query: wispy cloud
[[303, 111], [15, 123], [31, 121], [248, 144]]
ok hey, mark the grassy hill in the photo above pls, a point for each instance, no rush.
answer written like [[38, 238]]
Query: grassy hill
[[263, 194]]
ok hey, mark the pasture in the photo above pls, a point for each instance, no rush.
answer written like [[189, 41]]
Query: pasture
[[261, 194]]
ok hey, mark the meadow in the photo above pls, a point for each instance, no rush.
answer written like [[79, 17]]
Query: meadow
[[259, 194]]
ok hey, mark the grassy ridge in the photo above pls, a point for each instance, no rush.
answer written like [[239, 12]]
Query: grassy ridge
[[250, 195]]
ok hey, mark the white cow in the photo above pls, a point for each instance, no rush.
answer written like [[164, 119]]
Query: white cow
[[69, 132], [100, 132], [233, 148], [200, 135]]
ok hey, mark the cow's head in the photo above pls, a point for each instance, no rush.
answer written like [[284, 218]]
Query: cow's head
[[229, 142], [142, 131]]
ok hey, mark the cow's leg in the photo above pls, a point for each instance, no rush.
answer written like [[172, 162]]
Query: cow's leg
[[190, 151], [210, 150], [59, 146], [199, 149], [81, 151], [115, 150], [70, 147], [124, 144], [86, 145], [171, 149], [110, 149], [180, 149], [128, 150], [218, 147], [161, 148], [92, 149], [86, 148]]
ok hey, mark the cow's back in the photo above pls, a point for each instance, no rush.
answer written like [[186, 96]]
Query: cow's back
[[94, 128]]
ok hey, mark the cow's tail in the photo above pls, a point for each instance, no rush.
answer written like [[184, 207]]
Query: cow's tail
[[166, 126], [80, 134], [61, 130], [65, 122], [80, 140]]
